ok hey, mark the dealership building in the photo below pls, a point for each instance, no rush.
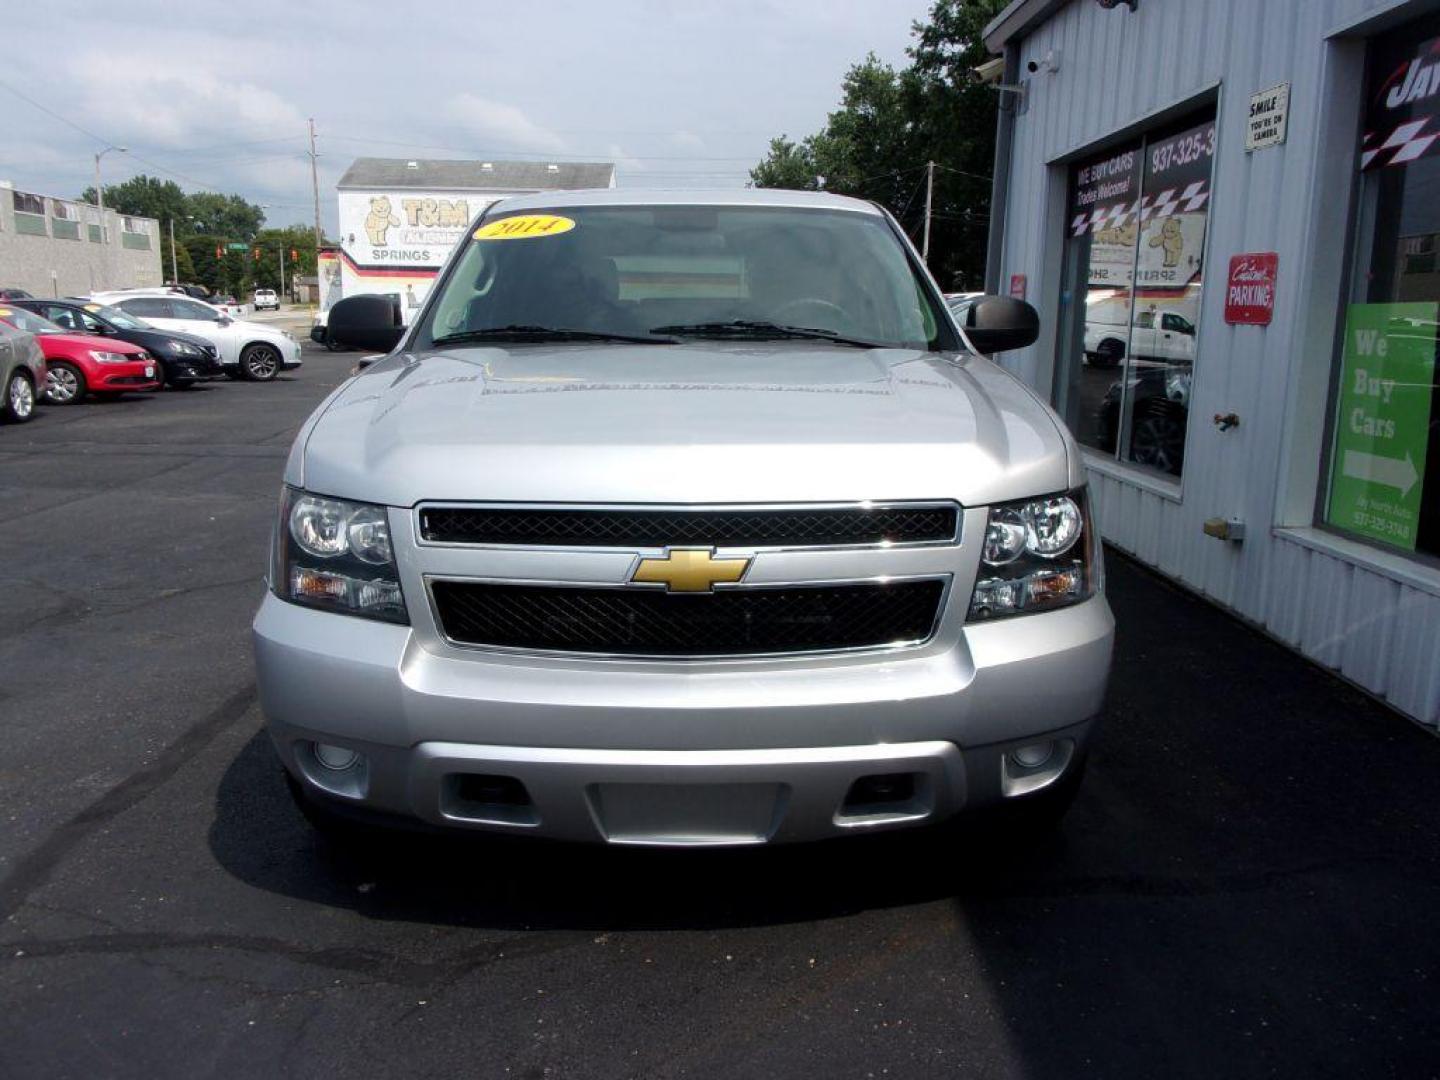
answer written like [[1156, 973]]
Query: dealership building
[[51, 246], [1227, 214], [399, 218]]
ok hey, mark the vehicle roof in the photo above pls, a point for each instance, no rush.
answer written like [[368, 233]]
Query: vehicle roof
[[819, 200], [380, 174]]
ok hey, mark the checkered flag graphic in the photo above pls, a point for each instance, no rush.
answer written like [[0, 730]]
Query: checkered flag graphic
[[1405, 143], [1187, 200]]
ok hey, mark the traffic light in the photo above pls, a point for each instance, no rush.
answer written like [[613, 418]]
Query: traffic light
[[219, 252], [256, 253], [294, 255]]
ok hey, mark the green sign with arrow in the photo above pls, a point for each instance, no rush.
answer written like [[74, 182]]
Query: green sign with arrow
[[1382, 422]]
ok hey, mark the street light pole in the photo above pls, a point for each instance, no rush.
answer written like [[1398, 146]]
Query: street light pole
[[100, 212], [282, 267], [174, 264], [929, 199]]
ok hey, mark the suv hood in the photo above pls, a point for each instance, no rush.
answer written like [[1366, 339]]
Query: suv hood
[[690, 423]]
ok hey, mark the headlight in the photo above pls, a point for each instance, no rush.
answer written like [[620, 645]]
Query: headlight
[[182, 348], [101, 356], [336, 555], [1038, 555]]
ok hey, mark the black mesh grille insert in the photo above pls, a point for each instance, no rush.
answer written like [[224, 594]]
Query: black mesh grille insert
[[656, 623], [815, 527]]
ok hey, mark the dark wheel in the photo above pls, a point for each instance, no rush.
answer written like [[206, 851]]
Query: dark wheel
[[19, 403], [1157, 436], [1109, 353], [64, 384], [260, 363], [162, 380]]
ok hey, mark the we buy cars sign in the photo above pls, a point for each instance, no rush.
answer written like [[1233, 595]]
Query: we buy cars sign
[[1250, 288]]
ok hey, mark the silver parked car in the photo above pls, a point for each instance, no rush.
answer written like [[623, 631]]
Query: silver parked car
[[22, 372], [680, 520]]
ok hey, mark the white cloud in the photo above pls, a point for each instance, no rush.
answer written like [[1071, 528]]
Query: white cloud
[[507, 126], [167, 105]]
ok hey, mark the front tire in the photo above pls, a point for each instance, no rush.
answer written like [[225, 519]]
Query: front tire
[[19, 403], [64, 384], [260, 363]]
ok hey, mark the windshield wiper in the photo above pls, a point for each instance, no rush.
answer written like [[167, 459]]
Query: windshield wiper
[[754, 330], [518, 332]]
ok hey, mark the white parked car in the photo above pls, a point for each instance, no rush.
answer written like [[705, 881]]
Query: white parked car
[[267, 300], [1157, 334], [248, 350]]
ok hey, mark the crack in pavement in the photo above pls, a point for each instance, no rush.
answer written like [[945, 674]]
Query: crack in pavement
[[34, 869], [377, 964]]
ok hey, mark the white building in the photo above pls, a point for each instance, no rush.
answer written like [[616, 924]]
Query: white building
[[400, 218], [1227, 213], [51, 246]]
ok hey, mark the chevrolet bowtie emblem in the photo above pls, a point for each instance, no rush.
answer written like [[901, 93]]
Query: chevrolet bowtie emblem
[[690, 569]]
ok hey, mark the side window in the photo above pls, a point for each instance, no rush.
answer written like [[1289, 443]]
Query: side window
[[1175, 324], [188, 309], [147, 307], [62, 316]]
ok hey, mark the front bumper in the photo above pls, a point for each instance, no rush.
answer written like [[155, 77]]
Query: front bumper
[[677, 752], [118, 378]]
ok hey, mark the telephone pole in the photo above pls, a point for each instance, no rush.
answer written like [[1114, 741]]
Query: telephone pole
[[315, 188], [929, 199]]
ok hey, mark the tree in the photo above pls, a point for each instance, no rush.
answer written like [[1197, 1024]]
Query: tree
[[890, 123], [297, 238], [224, 215], [789, 165], [146, 196]]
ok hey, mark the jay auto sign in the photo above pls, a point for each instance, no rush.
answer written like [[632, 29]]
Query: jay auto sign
[[1250, 288]]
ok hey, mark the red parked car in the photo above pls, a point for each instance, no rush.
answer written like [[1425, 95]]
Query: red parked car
[[80, 364]]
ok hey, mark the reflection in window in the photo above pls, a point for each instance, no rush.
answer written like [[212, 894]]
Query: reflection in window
[[1134, 267]]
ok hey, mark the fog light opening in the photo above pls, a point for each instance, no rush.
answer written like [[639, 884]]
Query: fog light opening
[[335, 758], [1029, 767], [1034, 755]]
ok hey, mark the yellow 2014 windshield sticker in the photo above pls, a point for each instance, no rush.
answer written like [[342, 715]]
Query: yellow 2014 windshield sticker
[[5, 312], [525, 227]]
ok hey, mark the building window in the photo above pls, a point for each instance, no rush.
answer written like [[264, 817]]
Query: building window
[[29, 214], [1382, 480], [1133, 272], [134, 234], [64, 221]]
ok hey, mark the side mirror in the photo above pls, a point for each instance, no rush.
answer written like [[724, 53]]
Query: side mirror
[[371, 322], [224, 320], [997, 323]]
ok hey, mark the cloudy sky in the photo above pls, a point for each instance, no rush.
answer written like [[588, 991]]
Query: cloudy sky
[[216, 96]]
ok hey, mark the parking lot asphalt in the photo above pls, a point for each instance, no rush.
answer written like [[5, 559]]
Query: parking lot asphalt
[[1247, 885]]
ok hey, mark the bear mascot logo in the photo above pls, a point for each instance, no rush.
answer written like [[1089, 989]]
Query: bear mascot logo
[[1171, 239], [380, 220]]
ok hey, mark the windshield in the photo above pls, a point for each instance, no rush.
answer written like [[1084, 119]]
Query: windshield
[[674, 273], [27, 321], [117, 318]]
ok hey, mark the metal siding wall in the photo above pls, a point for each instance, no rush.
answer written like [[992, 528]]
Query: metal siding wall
[[1116, 67]]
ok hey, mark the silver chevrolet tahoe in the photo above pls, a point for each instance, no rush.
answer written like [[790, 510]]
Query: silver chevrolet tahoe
[[683, 520]]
